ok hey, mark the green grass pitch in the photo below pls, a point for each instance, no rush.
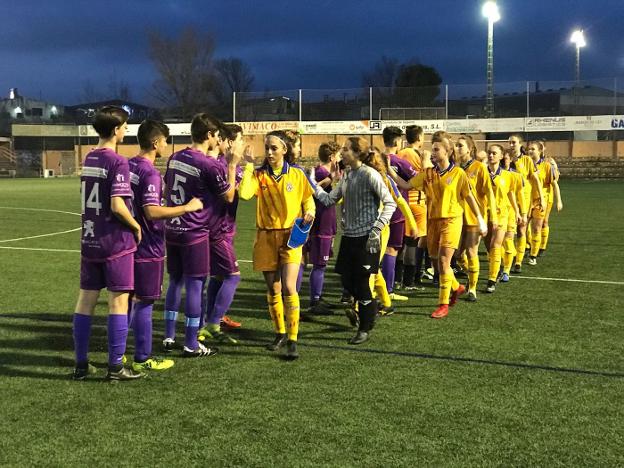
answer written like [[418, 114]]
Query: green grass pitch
[[532, 375]]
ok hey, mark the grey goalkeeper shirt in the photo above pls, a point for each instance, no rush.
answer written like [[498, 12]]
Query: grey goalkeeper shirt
[[361, 191]]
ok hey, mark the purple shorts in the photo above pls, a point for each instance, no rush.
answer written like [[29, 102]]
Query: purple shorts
[[397, 233], [320, 250], [223, 257], [116, 274], [189, 260], [148, 278]]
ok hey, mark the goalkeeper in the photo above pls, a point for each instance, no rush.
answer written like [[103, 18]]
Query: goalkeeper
[[361, 189]]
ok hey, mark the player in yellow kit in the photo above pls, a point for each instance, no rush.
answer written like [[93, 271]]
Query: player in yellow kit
[[480, 182], [549, 203], [447, 187], [548, 180], [523, 164], [503, 186], [284, 194], [509, 248]]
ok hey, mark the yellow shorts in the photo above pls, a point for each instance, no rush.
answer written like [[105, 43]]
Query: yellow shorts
[[536, 211], [420, 215], [271, 250], [443, 232]]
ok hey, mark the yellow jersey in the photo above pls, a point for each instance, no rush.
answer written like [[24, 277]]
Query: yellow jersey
[[502, 184], [402, 205], [481, 185], [518, 188], [415, 197], [546, 174], [282, 197], [446, 190]]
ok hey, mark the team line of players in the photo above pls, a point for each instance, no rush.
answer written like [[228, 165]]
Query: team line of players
[[445, 200]]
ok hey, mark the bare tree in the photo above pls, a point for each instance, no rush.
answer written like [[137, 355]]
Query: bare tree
[[235, 74], [118, 89], [185, 68], [89, 93], [383, 74]]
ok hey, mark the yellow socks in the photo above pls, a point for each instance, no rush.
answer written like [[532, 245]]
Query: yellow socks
[[292, 315], [446, 282], [520, 248], [276, 310], [509, 254], [381, 289], [495, 263], [545, 234], [473, 273], [536, 241]]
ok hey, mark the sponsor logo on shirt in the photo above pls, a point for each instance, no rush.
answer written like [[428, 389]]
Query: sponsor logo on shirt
[[151, 188], [88, 229], [120, 178], [289, 187]]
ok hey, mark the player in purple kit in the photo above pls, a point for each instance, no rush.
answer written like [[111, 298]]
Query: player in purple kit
[[392, 138], [149, 258], [109, 238], [323, 229], [225, 274], [191, 173]]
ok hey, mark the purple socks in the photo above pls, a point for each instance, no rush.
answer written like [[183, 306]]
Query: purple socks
[[223, 298], [387, 270], [142, 329], [82, 333], [317, 278], [172, 304], [117, 335], [193, 310]]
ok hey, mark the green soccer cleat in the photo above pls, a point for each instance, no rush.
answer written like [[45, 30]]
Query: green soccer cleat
[[204, 334], [223, 338], [153, 363]]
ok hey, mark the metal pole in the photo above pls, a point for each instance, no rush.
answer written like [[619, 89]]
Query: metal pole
[[370, 103], [528, 93], [233, 106], [489, 104], [578, 65], [446, 101], [300, 108], [615, 96]]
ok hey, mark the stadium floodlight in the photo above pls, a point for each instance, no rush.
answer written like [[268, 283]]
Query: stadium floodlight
[[490, 11], [578, 39]]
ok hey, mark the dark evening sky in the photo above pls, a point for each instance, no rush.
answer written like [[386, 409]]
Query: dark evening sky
[[53, 48]]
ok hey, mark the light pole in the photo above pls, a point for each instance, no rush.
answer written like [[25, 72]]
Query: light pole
[[490, 11], [578, 39]]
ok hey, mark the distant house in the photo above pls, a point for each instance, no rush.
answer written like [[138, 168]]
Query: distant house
[[83, 113], [16, 108]]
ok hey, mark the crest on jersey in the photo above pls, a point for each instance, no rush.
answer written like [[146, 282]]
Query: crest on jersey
[[120, 178], [449, 180], [88, 229], [151, 188], [289, 187]]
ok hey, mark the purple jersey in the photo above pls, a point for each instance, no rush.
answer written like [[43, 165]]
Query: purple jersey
[[405, 171], [325, 220], [105, 174], [228, 224], [190, 173], [146, 185]]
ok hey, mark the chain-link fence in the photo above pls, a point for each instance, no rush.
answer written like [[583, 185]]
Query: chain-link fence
[[460, 101]]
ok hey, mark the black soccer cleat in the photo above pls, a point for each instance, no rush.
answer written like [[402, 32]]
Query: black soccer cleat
[[278, 342], [359, 338], [291, 350]]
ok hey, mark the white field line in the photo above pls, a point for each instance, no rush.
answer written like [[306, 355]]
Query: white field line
[[40, 235], [568, 280]]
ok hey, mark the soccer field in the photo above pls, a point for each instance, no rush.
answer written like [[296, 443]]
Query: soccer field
[[532, 375]]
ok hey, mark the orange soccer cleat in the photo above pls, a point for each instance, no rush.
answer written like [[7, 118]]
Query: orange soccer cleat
[[440, 312], [455, 294], [228, 322]]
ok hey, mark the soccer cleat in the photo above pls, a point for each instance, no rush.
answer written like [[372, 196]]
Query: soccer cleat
[[517, 269], [532, 261], [291, 350], [122, 374], [440, 312], [428, 273], [82, 372], [471, 297], [385, 311], [504, 278], [346, 299], [491, 286], [398, 286], [541, 252], [124, 359], [201, 351], [319, 308], [228, 322], [153, 363], [352, 315], [461, 289], [203, 334], [223, 338], [278, 342], [415, 287], [397, 297], [359, 338], [168, 344]]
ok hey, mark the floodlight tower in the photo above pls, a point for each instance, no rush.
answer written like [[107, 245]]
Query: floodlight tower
[[490, 11], [578, 39]]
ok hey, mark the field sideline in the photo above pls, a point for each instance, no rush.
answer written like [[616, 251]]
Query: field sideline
[[532, 375]]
